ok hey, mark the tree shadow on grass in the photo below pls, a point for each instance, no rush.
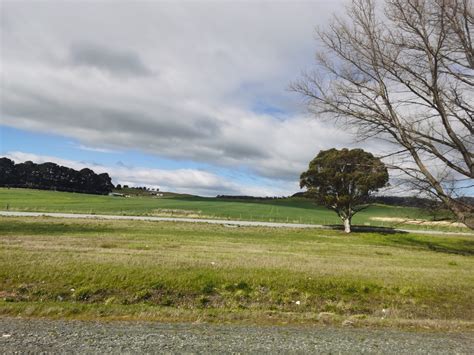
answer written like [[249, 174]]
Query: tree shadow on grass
[[458, 247], [403, 239]]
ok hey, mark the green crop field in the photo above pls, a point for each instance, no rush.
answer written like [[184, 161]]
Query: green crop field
[[96, 269], [293, 210]]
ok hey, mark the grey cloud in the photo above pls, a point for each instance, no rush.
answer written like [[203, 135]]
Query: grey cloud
[[111, 60], [272, 148], [19, 103], [216, 62], [244, 150], [157, 125]]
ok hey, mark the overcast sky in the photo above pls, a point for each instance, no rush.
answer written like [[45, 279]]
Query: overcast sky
[[187, 96]]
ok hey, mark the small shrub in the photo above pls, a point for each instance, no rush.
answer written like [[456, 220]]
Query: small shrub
[[208, 288], [23, 289], [351, 290], [203, 301], [82, 294], [142, 295], [166, 301], [243, 286]]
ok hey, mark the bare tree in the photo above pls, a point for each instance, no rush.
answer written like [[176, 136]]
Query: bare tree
[[406, 75]]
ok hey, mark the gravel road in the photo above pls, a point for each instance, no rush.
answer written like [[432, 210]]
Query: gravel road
[[199, 220], [59, 336]]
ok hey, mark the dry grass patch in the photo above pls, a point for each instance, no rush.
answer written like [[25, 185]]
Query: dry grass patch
[[109, 268], [419, 222]]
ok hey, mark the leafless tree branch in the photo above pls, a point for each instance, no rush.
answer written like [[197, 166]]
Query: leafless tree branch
[[405, 75]]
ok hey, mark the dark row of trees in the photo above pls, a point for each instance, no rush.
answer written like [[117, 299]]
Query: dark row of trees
[[403, 201], [50, 176]]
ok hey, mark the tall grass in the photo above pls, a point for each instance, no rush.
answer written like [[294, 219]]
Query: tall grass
[[89, 264]]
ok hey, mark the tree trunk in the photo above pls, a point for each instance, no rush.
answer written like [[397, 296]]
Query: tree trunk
[[347, 225]]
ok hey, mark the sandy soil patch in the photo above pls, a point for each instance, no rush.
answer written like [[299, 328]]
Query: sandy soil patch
[[164, 212], [418, 221]]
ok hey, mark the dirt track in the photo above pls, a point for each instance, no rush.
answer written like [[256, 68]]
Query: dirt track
[[33, 336], [230, 223]]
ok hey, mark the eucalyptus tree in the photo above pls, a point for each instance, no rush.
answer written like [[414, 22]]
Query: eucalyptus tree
[[404, 72], [342, 180]]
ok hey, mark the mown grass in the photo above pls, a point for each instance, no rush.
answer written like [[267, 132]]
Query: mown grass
[[293, 210], [173, 271]]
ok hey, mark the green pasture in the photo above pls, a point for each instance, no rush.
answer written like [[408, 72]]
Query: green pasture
[[292, 210], [197, 272]]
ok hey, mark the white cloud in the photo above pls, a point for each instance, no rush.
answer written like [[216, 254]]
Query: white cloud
[[180, 180], [194, 81], [94, 149]]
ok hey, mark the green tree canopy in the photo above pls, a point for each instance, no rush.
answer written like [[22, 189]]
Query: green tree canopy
[[342, 180]]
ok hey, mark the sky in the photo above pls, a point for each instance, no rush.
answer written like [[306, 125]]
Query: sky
[[186, 96]]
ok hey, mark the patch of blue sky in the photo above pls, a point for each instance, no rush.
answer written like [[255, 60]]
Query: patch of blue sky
[[268, 109], [43, 144], [13, 139], [466, 187]]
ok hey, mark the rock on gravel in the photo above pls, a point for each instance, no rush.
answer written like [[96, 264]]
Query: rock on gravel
[[59, 336]]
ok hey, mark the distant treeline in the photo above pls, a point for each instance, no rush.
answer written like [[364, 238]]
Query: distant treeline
[[405, 201], [50, 176]]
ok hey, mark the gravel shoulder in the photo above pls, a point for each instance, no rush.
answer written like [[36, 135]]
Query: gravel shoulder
[[225, 222], [60, 336]]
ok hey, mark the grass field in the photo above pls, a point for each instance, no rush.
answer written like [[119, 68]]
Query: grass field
[[296, 210], [197, 272]]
